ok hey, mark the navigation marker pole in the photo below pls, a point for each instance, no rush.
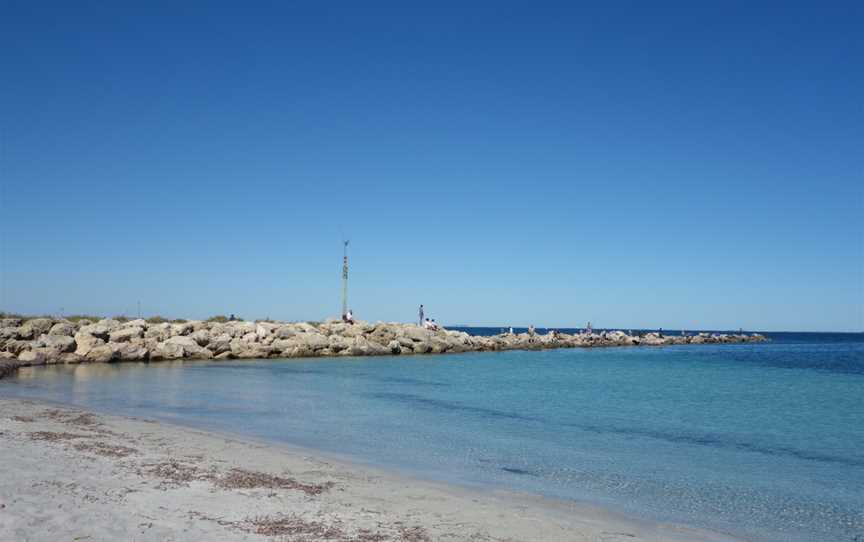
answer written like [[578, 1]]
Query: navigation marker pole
[[344, 278]]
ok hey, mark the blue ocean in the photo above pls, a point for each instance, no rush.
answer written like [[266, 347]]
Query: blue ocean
[[764, 441]]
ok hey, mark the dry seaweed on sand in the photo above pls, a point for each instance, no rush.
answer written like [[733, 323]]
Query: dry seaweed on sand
[[176, 473], [81, 419], [292, 526], [106, 450], [413, 534], [246, 479], [52, 436]]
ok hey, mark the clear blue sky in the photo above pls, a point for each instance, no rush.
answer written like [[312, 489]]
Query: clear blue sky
[[635, 164]]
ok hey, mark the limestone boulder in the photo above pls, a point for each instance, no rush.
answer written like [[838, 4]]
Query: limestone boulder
[[98, 330], [84, 341], [284, 346], [244, 350], [201, 337], [160, 332], [16, 346], [181, 329], [363, 347], [302, 350], [59, 344], [166, 351], [62, 328], [11, 322], [220, 343], [421, 347], [314, 341], [31, 329], [438, 346], [337, 344], [189, 347], [240, 348], [404, 342], [382, 334], [242, 328], [33, 357], [103, 353], [264, 329], [415, 333], [126, 334], [69, 357], [128, 351], [305, 327], [285, 332], [198, 325], [110, 324]]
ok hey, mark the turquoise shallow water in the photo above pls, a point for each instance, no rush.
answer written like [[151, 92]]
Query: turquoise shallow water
[[765, 441]]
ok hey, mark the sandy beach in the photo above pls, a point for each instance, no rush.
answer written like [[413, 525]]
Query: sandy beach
[[70, 474]]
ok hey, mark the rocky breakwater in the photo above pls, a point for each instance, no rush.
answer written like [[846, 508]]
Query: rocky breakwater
[[40, 341]]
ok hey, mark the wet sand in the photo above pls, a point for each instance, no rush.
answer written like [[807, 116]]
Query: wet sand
[[70, 474]]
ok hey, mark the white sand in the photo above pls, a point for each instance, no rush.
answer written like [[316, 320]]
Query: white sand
[[63, 477]]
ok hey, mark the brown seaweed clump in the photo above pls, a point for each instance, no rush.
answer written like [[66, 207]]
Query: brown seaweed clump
[[52, 436], [176, 474], [246, 479], [292, 526], [106, 450]]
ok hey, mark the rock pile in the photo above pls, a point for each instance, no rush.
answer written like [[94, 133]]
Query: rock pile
[[40, 341]]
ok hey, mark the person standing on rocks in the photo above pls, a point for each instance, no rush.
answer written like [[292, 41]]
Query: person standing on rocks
[[421, 315]]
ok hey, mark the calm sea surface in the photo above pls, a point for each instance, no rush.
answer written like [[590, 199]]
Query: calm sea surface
[[765, 440]]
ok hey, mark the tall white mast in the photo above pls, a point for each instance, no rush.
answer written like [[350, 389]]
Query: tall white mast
[[345, 278]]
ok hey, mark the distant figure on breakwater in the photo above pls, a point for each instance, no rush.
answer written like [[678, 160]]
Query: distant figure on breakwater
[[531, 333], [348, 318], [421, 315]]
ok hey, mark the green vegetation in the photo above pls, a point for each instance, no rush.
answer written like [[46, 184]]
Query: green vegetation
[[219, 318], [23, 317]]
